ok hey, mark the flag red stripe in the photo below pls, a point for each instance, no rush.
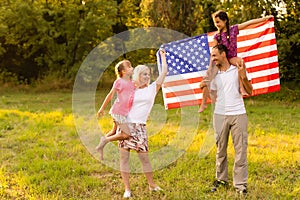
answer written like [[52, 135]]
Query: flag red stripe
[[183, 93], [260, 56], [183, 104], [262, 67], [211, 44], [255, 35], [259, 24], [257, 45], [273, 88], [265, 78], [211, 33], [182, 82]]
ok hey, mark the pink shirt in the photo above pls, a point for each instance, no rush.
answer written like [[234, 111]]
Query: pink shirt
[[125, 93], [232, 45]]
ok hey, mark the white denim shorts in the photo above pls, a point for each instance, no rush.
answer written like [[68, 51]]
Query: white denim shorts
[[119, 119]]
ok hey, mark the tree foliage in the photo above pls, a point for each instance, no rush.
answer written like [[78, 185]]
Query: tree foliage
[[289, 42], [42, 37], [52, 36]]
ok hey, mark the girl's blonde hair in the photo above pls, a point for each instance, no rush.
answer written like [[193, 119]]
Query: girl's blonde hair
[[121, 66], [137, 72]]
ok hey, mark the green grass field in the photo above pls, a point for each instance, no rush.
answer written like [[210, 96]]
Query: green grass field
[[43, 157]]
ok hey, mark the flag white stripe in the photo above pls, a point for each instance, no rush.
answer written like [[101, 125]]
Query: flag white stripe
[[256, 30], [182, 87], [258, 51], [183, 98], [263, 61], [266, 72], [265, 84], [251, 42], [210, 38], [185, 76]]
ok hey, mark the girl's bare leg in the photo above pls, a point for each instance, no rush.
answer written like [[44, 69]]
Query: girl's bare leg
[[242, 89], [121, 135], [205, 94], [239, 61], [124, 133], [205, 85], [113, 131]]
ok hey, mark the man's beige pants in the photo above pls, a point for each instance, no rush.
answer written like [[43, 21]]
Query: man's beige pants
[[237, 125]]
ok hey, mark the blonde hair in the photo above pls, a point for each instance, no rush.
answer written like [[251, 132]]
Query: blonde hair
[[121, 66], [137, 72]]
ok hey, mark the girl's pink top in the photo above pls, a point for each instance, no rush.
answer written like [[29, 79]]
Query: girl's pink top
[[232, 45], [125, 93]]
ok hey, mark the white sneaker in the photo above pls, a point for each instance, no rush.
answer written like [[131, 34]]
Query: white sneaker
[[127, 194]]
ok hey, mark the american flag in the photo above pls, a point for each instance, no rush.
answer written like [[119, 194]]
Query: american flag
[[188, 60]]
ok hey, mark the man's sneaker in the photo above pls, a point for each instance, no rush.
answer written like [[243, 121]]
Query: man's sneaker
[[127, 194], [242, 192], [217, 184]]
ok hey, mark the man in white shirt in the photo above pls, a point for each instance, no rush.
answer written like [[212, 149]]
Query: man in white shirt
[[230, 116]]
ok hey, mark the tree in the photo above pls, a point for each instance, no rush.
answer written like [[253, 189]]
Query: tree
[[53, 36], [289, 42]]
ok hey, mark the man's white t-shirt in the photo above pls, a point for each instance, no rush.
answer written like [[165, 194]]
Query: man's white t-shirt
[[229, 100], [142, 104]]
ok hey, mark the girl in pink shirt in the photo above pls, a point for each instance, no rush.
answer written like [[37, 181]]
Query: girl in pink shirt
[[124, 87], [227, 35]]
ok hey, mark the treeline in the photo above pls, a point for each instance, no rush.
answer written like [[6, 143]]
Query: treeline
[[40, 38]]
